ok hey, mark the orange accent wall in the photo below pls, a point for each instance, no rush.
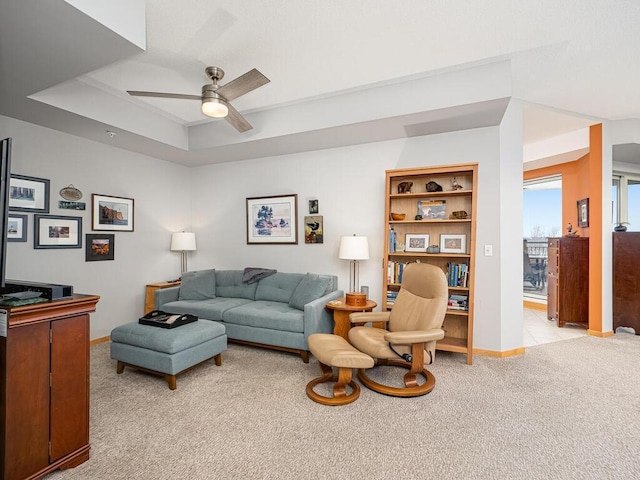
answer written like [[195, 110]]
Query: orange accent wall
[[583, 179]]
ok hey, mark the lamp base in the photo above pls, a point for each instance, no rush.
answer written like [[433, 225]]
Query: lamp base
[[356, 299]]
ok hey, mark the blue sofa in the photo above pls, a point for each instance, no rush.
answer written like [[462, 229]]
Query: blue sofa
[[278, 311]]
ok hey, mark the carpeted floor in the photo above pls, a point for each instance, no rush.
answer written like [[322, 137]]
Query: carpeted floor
[[565, 410]]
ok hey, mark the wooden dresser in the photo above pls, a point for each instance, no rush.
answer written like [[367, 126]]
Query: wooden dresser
[[568, 280], [44, 387], [626, 280]]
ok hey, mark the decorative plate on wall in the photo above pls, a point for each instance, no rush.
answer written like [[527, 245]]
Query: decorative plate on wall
[[71, 193]]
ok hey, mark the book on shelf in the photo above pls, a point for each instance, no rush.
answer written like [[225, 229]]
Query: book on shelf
[[392, 240], [458, 274], [395, 270], [458, 302]]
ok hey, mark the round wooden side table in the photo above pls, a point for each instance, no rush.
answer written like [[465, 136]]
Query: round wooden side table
[[341, 312]]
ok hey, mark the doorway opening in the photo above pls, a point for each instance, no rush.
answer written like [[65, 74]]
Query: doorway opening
[[542, 219]]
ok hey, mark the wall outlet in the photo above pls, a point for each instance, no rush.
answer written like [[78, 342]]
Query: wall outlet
[[488, 250]]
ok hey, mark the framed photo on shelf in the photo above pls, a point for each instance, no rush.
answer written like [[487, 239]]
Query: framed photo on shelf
[[99, 246], [313, 231], [28, 194], [16, 228], [55, 231], [272, 220], [432, 209], [583, 213], [450, 243], [416, 242], [110, 213]]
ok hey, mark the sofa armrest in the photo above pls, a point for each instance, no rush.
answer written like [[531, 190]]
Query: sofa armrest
[[318, 319], [166, 295]]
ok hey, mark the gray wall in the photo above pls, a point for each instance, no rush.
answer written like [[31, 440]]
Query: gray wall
[[210, 200], [162, 205]]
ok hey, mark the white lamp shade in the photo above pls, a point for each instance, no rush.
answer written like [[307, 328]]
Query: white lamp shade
[[183, 241], [354, 248]]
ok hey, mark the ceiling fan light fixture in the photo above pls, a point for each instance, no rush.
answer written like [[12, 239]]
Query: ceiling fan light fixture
[[214, 107]]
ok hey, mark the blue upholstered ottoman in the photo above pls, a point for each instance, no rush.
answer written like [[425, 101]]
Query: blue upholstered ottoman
[[167, 352]]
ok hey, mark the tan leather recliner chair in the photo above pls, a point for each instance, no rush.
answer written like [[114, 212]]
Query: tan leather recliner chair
[[412, 328]]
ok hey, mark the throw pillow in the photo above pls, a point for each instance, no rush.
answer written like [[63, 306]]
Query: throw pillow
[[310, 288], [199, 285]]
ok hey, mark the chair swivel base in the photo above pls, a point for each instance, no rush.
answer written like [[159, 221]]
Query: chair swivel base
[[340, 395], [411, 388]]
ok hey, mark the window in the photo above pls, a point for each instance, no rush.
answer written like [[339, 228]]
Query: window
[[626, 200]]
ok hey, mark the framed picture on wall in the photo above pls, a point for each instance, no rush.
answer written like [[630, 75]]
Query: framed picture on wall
[[313, 231], [28, 194], [272, 220], [16, 228], [55, 231], [583, 213], [111, 213], [99, 246]]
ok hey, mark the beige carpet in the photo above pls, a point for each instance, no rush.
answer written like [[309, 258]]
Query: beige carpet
[[566, 410]]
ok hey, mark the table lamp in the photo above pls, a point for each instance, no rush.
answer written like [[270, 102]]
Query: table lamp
[[183, 242], [354, 248]]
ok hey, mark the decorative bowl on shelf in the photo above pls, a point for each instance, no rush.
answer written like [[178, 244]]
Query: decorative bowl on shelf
[[398, 216]]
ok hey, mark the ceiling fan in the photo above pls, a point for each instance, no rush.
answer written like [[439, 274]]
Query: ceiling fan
[[215, 98]]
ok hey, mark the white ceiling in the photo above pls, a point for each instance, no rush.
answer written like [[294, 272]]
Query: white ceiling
[[573, 61]]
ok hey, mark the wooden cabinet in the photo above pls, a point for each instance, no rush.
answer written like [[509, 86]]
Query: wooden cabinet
[[447, 220], [44, 387], [626, 280], [568, 280], [150, 294]]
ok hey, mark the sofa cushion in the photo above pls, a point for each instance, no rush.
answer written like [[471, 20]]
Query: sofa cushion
[[311, 287], [212, 309], [229, 284], [266, 314], [199, 285], [278, 287]]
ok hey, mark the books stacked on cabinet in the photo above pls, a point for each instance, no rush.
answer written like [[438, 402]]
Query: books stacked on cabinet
[[458, 275], [458, 302]]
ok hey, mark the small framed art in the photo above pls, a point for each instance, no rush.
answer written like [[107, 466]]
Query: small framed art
[[16, 228], [583, 213], [416, 242], [314, 208], [28, 194], [111, 213], [54, 231], [272, 220], [313, 231], [99, 246], [450, 243]]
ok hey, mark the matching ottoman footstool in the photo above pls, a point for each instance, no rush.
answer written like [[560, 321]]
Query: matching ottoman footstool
[[334, 351], [167, 352]]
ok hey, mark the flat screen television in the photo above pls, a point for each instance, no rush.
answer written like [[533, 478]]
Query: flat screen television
[[5, 175]]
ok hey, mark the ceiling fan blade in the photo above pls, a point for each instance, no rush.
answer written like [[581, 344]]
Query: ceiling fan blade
[[238, 121], [135, 93], [243, 84]]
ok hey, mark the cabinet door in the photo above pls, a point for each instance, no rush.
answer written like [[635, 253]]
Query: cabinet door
[[70, 385], [26, 441]]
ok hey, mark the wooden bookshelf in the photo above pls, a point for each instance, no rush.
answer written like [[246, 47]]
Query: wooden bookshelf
[[458, 324]]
